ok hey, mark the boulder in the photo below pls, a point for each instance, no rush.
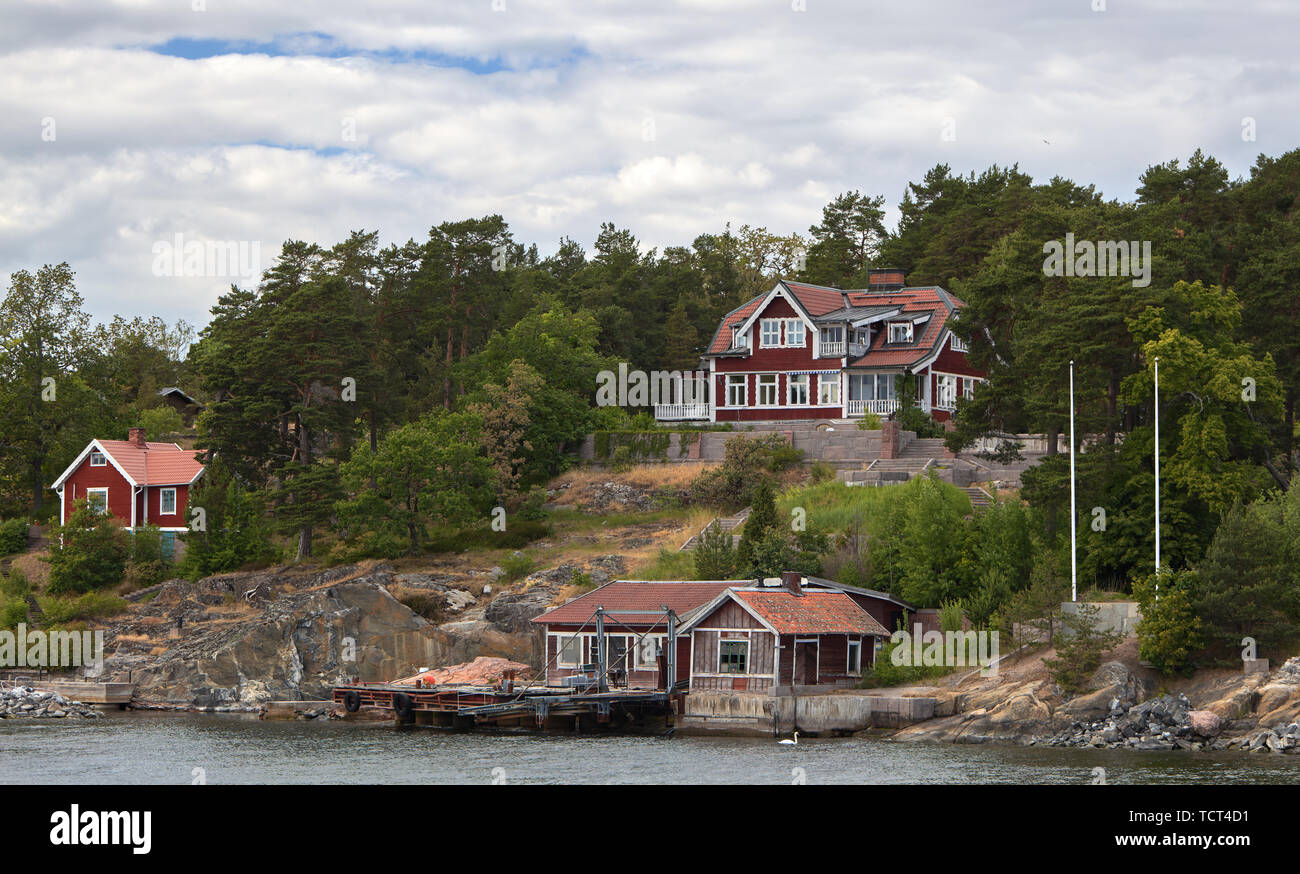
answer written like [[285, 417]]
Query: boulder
[[1205, 723]]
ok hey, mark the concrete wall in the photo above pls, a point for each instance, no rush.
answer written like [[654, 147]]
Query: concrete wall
[[1118, 616], [754, 713]]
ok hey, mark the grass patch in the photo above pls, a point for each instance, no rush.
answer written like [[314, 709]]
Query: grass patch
[[669, 564], [92, 605], [832, 506]]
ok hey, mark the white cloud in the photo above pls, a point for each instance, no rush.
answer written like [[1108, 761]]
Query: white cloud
[[670, 119]]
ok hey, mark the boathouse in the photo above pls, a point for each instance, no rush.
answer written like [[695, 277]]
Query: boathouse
[[635, 617], [773, 638]]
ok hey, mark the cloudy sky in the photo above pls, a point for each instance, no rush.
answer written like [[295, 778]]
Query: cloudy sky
[[126, 122]]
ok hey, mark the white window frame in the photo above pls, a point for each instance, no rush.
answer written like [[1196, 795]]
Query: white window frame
[[561, 639], [104, 490], [743, 641], [795, 328], [774, 385], [851, 669], [769, 328], [793, 381], [823, 395], [908, 326], [958, 345], [653, 664], [737, 381], [161, 504], [967, 389], [102, 459]]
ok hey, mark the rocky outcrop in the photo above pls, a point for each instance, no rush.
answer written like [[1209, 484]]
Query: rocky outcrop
[[483, 671], [24, 702], [298, 645], [513, 611]]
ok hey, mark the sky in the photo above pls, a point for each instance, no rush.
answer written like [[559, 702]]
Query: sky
[[244, 123]]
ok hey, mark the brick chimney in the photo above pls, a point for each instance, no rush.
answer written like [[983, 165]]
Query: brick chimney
[[885, 279], [136, 436], [793, 580]]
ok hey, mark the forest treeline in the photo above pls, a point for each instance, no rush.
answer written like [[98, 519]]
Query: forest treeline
[[378, 395]]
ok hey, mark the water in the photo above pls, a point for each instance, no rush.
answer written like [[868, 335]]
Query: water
[[165, 748]]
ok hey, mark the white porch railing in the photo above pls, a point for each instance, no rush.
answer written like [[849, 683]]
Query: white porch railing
[[832, 348], [879, 407], [680, 412]]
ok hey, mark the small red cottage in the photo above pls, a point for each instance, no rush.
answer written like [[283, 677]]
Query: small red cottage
[[137, 482], [636, 629], [769, 639]]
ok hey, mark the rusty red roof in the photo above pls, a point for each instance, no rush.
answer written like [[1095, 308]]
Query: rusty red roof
[[646, 598], [813, 612]]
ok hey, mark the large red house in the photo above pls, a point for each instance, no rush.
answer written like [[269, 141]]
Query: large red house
[[811, 352], [136, 481]]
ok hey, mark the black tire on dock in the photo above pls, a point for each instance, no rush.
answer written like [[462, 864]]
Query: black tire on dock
[[402, 704], [352, 701]]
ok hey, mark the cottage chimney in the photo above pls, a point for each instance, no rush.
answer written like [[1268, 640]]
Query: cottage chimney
[[793, 581], [136, 436]]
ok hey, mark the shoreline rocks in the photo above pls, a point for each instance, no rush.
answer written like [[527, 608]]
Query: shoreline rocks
[[25, 702]]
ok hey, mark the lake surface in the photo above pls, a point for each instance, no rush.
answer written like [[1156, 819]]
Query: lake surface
[[164, 748]]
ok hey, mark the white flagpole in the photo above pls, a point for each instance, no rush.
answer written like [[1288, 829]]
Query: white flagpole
[[1157, 454], [1074, 516]]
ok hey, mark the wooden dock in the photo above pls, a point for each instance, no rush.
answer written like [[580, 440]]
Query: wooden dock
[[89, 692], [468, 707]]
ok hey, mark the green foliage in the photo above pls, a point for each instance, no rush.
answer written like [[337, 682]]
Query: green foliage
[[950, 615], [235, 533], [715, 554], [1080, 648], [1033, 614], [1248, 584], [13, 536], [89, 552], [160, 422], [870, 422], [745, 465], [87, 607], [13, 611], [431, 472], [821, 472], [1169, 632], [885, 673], [517, 565]]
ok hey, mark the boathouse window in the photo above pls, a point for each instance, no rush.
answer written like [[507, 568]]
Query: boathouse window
[[97, 459], [570, 650], [97, 500], [647, 651], [733, 656], [767, 390], [167, 502], [855, 656]]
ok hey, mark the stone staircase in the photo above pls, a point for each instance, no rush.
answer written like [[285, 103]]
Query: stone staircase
[[727, 523]]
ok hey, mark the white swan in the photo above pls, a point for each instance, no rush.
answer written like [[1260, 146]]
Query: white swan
[[788, 741]]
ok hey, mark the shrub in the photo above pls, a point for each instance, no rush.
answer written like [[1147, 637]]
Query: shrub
[[822, 472], [92, 605], [12, 612], [1169, 632], [429, 605], [715, 554], [15, 585], [516, 567], [89, 553], [13, 536], [1081, 648], [950, 615], [870, 422], [885, 673]]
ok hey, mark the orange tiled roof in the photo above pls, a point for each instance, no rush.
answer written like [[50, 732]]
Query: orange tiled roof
[[813, 612], [164, 464]]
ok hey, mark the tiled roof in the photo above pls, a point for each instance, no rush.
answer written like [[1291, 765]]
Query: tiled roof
[[646, 597], [813, 612], [164, 464], [820, 302]]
